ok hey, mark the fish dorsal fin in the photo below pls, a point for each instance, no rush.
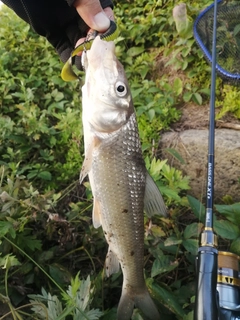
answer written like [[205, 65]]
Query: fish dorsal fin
[[153, 201], [111, 263], [96, 214], [87, 163]]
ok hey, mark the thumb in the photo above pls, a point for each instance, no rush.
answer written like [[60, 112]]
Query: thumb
[[92, 13]]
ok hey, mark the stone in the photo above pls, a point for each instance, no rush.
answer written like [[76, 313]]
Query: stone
[[192, 145]]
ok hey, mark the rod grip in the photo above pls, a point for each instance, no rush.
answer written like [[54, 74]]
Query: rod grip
[[206, 303]]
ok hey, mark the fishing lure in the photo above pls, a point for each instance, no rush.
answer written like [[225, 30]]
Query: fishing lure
[[67, 73]]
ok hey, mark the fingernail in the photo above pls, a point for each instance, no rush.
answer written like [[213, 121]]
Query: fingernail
[[101, 21]]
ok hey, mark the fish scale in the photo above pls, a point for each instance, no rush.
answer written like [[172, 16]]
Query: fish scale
[[121, 199]]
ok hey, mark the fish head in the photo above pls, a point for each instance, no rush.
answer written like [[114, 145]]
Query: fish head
[[106, 97]]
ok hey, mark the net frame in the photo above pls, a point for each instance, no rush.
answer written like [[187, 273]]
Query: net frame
[[233, 77]]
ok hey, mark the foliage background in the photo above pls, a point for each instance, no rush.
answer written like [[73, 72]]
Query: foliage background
[[46, 232]]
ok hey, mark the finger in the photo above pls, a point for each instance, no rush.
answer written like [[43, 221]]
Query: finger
[[92, 13], [80, 41], [109, 13]]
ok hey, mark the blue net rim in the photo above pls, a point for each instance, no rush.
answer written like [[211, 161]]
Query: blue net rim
[[234, 77]]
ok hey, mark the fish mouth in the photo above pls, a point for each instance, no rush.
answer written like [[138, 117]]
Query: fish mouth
[[68, 73], [101, 55]]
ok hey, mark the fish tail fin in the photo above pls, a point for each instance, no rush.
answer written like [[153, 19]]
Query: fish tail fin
[[125, 306], [142, 301], [145, 303]]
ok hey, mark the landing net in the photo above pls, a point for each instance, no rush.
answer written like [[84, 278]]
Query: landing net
[[228, 38]]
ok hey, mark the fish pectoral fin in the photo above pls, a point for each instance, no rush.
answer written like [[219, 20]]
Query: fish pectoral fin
[[87, 163], [111, 263], [153, 200], [86, 167], [96, 214]]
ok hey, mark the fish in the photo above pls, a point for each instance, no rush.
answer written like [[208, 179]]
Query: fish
[[121, 186]]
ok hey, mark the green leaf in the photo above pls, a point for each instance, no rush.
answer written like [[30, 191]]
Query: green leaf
[[135, 51], [93, 314], [172, 241], [66, 312], [192, 230], [189, 316], [184, 65], [197, 208], [45, 256], [156, 167], [59, 273], [231, 212], [187, 96], [54, 306], [136, 315], [6, 227], [157, 231], [163, 264], [197, 98], [151, 114], [205, 91], [45, 175], [235, 246], [177, 86], [110, 314], [191, 245], [165, 298], [175, 154], [26, 241], [226, 229], [75, 285], [136, 92], [32, 174], [172, 194], [58, 96], [236, 29], [9, 261]]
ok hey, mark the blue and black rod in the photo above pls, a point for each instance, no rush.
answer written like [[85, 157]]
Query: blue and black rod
[[206, 304]]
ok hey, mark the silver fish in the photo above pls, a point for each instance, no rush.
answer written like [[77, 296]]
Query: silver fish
[[121, 185]]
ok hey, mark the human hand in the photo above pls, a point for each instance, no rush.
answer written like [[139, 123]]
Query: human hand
[[94, 16]]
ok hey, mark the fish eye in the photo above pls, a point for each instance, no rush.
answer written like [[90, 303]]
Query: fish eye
[[121, 89]]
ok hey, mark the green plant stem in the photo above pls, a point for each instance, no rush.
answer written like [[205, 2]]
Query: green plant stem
[[15, 316], [24, 253], [79, 249], [85, 209], [24, 313], [5, 282], [2, 176]]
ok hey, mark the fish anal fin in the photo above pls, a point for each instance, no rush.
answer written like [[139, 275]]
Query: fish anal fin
[[96, 214], [87, 163], [153, 200], [111, 263]]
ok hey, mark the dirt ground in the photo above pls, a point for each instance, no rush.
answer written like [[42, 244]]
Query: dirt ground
[[197, 117]]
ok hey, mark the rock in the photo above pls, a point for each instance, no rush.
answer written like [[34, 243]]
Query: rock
[[192, 145]]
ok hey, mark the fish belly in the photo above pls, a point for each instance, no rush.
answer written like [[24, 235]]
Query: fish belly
[[119, 176]]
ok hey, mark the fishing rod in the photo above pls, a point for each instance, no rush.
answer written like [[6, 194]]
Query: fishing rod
[[218, 279], [207, 252]]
